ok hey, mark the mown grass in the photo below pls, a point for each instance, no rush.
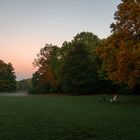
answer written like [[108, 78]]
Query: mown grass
[[69, 118]]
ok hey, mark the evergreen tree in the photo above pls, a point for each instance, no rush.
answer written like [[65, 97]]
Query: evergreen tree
[[7, 77], [78, 72]]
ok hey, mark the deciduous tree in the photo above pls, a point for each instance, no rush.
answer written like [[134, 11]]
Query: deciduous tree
[[121, 51], [47, 62]]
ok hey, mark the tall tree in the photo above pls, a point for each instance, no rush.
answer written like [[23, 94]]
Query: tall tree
[[89, 39], [89, 42], [48, 61], [121, 51], [79, 74]]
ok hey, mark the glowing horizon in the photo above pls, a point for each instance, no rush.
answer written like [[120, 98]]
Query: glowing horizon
[[27, 25]]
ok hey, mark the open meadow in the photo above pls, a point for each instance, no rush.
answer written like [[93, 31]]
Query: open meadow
[[69, 118]]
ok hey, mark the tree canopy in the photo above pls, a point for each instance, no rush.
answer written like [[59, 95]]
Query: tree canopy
[[120, 52], [53, 62], [127, 20], [87, 62]]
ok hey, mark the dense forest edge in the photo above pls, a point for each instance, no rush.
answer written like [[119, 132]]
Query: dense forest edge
[[87, 64]]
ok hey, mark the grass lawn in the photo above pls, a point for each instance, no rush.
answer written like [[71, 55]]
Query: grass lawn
[[69, 118]]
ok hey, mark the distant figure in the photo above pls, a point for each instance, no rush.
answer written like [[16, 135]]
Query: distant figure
[[114, 98], [102, 98]]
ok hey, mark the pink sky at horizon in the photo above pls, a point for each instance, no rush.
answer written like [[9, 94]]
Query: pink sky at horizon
[[27, 25], [21, 59], [20, 50], [22, 53]]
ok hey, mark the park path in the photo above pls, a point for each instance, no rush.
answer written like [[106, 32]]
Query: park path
[[18, 93]]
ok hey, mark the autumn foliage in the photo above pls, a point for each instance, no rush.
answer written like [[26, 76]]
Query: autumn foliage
[[114, 60], [121, 51]]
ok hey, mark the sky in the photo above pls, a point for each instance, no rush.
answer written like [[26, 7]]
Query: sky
[[27, 25]]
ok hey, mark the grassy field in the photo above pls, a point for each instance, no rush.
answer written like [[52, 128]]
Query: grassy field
[[69, 118]]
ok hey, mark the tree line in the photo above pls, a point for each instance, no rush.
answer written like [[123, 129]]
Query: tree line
[[90, 65], [8, 81]]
